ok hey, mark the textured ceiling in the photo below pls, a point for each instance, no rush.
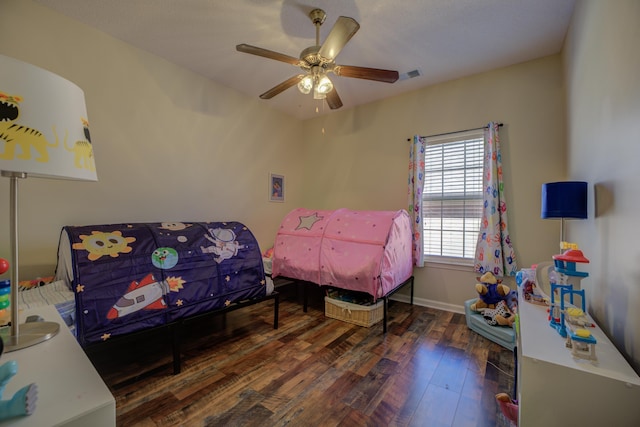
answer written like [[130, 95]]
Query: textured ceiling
[[443, 39]]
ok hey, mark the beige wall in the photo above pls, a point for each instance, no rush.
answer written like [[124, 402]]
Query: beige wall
[[361, 159], [170, 145], [602, 59]]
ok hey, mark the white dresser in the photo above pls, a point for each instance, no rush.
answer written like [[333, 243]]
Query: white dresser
[[554, 389], [70, 391]]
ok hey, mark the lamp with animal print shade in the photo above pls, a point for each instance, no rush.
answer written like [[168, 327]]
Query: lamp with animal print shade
[[44, 133]]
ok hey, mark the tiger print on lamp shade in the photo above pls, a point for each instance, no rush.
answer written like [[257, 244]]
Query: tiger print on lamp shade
[[44, 129]]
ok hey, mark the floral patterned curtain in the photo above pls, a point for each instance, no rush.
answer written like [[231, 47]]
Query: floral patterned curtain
[[416, 184], [494, 250]]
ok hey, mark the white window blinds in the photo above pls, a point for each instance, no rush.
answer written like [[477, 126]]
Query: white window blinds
[[452, 196]]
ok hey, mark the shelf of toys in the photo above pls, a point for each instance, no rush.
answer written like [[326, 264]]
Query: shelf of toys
[[571, 321], [569, 372]]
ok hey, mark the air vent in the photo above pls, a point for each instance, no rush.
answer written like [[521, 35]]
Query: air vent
[[410, 75]]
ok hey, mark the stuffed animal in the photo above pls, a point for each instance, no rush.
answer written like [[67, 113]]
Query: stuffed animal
[[509, 407], [501, 315], [490, 292]]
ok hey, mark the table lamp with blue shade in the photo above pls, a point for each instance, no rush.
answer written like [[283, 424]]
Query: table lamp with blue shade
[[566, 199], [44, 133]]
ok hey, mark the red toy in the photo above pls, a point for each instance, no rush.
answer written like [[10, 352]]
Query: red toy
[[4, 265]]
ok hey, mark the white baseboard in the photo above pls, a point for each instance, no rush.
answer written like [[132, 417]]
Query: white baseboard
[[428, 303]]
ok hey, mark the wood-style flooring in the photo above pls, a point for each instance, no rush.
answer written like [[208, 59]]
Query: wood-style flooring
[[429, 369]]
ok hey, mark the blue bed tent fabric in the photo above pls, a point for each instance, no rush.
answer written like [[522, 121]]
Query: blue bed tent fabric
[[130, 277]]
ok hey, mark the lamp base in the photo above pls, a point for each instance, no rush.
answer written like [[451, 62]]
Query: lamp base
[[30, 333]]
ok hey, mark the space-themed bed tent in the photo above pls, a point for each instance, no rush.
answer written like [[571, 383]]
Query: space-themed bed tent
[[131, 277]]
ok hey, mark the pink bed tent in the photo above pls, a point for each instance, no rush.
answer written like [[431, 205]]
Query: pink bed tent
[[366, 251]]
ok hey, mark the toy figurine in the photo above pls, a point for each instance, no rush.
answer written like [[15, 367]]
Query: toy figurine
[[23, 401]]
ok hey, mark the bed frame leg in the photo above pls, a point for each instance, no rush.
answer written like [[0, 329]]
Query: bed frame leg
[[409, 281], [411, 290], [175, 344], [305, 296], [276, 310], [385, 310]]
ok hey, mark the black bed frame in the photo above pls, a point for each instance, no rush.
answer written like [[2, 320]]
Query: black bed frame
[[280, 281], [175, 328]]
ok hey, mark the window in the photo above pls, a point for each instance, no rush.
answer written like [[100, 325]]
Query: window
[[452, 195]]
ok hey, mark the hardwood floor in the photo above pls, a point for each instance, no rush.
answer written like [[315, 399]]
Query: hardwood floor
[[428, 370]]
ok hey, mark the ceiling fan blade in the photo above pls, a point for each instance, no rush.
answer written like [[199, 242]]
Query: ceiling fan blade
[[340, 34], [333, 99], [387, 76], [253, 50], [281, 87]]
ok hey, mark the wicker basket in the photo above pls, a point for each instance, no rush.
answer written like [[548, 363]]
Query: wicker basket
[[362, 315]]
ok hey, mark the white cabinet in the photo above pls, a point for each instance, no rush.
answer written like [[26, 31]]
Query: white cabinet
[[554, 389], [70, 391]]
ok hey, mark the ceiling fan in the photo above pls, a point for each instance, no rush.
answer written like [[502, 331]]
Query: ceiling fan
[[319, 60]]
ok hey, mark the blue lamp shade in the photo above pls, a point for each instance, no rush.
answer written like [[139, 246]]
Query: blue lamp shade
[[566, 199]]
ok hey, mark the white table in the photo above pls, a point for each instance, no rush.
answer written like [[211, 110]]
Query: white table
[[70, 391], [555, 389]]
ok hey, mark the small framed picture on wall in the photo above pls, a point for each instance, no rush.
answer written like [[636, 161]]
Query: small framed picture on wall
[[276, 188]]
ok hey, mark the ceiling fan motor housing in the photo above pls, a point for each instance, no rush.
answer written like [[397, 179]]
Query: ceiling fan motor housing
[[312, 58], [317, 16]]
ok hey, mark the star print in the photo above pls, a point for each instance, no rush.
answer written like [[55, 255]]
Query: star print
[[308, 221], [227, 303], [105, 337], [227, 278], [179, 303], [262, 282], [80, 288]]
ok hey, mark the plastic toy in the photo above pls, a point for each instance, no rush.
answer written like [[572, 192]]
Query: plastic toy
[[532, 294], [556, 308], [567, 278], [5, 302], [5, 294], [526, 281], [582, 344], [573, 324], [490, 292], [565, 264], [526, 273], [24, 400], [570, 321]]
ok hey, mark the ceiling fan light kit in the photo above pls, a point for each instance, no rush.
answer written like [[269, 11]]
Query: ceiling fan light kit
[[324, 85], [306, 84], [316, 81], [318, 60]]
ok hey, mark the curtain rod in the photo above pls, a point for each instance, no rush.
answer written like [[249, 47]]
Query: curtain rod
[[458, 131]]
